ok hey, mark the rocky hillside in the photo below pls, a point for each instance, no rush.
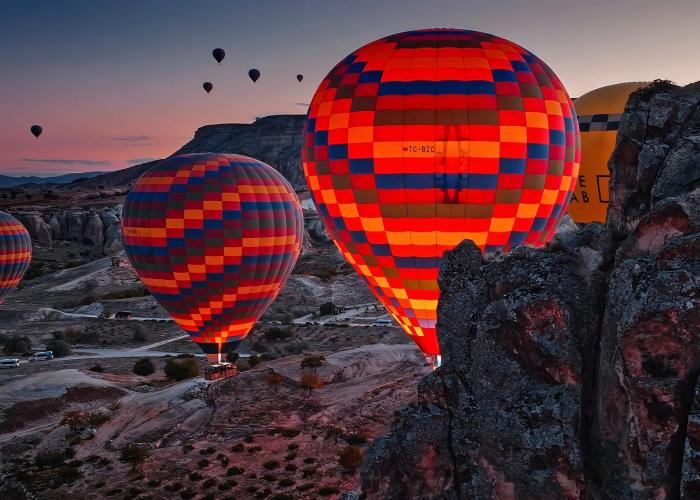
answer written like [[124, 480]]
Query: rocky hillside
[[571, 371], [274, 139]]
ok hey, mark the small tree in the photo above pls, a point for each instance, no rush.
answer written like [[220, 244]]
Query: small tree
[[254, 360], [58, 347], [18, 343], [311, 381], [144, 367], [350, 458], [334, 432], [328, 308], [181, 370], [97, 368], [133, 454], [232, 356], [313, 362], [274, 379]]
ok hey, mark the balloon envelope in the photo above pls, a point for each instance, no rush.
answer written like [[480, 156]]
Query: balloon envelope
[[207, 86], [599, 113], [420, 140], [15, 253], [213, 237], [254, 74], [36, 130], [300, 77], [218, 54]]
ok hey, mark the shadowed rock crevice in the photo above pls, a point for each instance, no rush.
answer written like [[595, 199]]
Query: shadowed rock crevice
[[571, 371]]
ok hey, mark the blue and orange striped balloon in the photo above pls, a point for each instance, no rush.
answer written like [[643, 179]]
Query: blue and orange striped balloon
[[213, 237], [420, 140], [15, 253]]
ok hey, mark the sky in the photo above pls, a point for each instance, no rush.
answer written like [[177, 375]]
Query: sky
[[115, 83]]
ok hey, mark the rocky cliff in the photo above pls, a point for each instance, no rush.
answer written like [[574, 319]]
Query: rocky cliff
[[571, 371], [275, 140]]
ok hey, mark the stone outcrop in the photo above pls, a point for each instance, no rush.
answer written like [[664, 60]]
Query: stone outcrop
[[37, 227], [571, 371]]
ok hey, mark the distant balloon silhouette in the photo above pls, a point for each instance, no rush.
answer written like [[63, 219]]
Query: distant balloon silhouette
[[36, 130], [207, 86], [218, 54], [254, 74], [213, 237], [15, 253], [300, 77]]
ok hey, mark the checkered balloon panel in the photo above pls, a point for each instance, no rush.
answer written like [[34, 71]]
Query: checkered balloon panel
[[213, 237], [420, 140], [15, 253]]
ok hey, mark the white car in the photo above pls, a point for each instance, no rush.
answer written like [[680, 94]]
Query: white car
[[42, 356], [9, 363]]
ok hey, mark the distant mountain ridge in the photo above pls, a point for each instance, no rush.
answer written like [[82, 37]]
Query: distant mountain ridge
[[275, 140], [7, 181]]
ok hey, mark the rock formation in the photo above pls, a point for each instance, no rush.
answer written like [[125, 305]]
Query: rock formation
[[571, 371]]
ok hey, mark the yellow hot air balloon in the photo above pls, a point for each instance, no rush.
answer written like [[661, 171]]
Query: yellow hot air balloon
[[599, 114]]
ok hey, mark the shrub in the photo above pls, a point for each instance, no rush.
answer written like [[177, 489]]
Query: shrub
[[207, 451], [144, 367], [195, 476], [187, 493], [203, 463], [271, 464], [276, 334], [97, 368], [248, 438], [237, 448], [254, 360], [181, 370], [226, 485], [254, 449], [274, 379], [326, 491], [307, 473], [97, 418], [232, 356], [58, 347], [290, 456], [289, 432], [17, 343], [309, 460], [350, 458], [290, 467], [306, 487], [311, 381], [328, 308], [209, 483], [133, 454], [281, 496], [75, 420], [292, 446], [356, 438], [286, 482], [234, 471], [315, 361]]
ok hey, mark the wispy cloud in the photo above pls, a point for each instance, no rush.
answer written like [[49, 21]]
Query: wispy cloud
[[135, 161], [64, 161], [131, 138]]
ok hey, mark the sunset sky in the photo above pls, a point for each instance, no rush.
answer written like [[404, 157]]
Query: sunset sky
[[116, 83]]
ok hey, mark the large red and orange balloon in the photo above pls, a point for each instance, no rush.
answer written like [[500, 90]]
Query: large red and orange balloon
[[15, 253], [420, 140], [213, 237]]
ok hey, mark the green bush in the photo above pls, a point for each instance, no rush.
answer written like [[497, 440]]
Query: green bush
[[209, 483], [133, 454], [181, 370], [203, 463], [144, 367], [276, 334], [254, 360], [237, 448], [356, 438], [271, 464], [58, 347], [97, 368], [286, 482], [314, 362], [195, 476], [234, 471]]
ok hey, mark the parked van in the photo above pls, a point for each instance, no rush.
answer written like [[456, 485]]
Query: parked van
[[382, 322], [124, 315], [9, 363], [42, 356]]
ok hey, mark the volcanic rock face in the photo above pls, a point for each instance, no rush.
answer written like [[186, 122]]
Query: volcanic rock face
[[571, 371]]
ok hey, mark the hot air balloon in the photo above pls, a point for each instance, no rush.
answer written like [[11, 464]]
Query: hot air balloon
[[423, 139], [36, 130], [300, 77], [213, 237], [15, 253], [218, 54], [207, 86], [254, 74], [599, 114]]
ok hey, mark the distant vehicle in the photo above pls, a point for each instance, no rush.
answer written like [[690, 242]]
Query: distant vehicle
[[382, 322], [42, 356], [106, 315], [124, 315], [9, 363]]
